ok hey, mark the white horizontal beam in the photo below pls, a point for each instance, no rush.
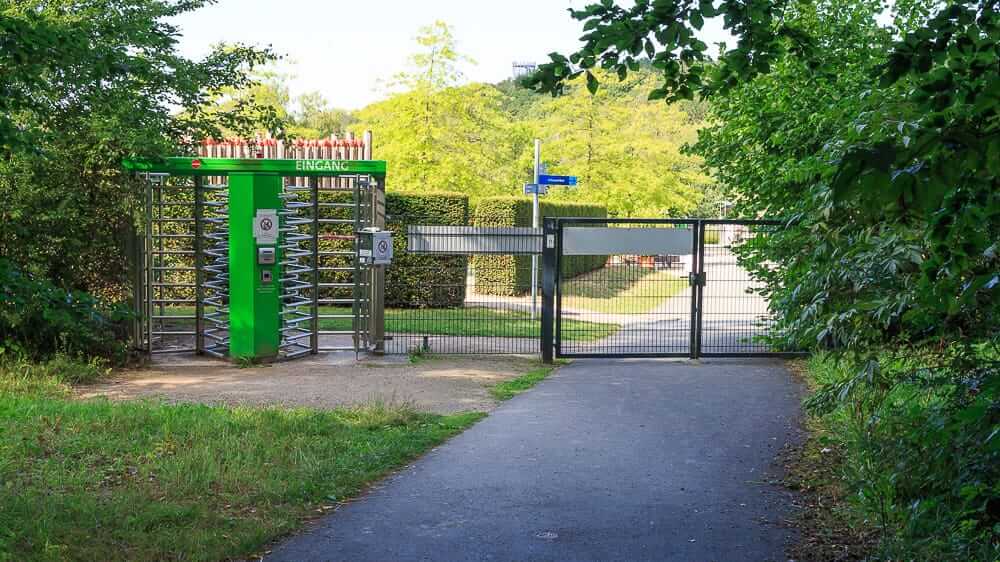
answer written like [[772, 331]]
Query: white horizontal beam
[[601, 241], [466, 240]]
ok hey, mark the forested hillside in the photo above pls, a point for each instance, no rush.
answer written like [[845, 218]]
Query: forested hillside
[[440, 133]]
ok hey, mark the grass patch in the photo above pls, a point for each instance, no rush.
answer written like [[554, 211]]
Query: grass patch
[[828, 531], [511, 388], [620, 290], [471, 321], [98, 480]]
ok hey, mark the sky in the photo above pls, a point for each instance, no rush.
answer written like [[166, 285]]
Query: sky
[[344, 49]]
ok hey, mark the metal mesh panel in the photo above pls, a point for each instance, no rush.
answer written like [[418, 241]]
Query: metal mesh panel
[[439, 300], [695, 298], [735, 318], [625, 304]]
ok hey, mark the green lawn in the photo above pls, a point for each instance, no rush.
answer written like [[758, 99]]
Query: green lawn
[[98, 480], [511, 388], [620, 289], [472, 321]]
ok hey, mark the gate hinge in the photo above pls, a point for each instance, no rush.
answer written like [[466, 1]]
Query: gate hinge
[[697, 279]]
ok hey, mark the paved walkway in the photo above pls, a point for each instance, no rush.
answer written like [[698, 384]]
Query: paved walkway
[[605, 460]]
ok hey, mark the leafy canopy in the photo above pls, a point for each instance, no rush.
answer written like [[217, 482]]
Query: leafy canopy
[[85, 84]]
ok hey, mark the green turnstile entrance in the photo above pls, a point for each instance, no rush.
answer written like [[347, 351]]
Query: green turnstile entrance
[[260, 258]]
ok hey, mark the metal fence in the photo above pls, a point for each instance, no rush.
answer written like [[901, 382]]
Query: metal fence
[[657, 287], [439, 299], [668, 288], [734, 318]]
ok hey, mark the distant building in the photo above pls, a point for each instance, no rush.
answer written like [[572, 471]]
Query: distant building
[[520, 69]]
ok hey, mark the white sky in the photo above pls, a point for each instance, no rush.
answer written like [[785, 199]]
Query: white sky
[[344, 48]]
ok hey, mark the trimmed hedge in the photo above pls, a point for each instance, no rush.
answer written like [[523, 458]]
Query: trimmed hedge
[[511, 275], [413, 280], [421, 280]]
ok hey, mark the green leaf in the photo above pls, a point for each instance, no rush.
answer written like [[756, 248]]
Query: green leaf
[[592, 83], [697, 20], [657, 94]]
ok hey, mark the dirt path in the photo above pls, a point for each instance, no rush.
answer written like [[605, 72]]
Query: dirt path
[[436, 384]]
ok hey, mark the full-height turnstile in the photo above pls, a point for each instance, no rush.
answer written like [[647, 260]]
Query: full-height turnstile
[[261, 259]]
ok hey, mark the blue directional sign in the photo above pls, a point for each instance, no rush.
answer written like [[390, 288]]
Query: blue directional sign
[[530, 188], [557, 180]]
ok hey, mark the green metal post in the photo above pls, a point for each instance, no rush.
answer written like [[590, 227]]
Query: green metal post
[[254, 305]]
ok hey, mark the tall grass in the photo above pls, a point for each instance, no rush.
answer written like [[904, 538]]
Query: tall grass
[[101, 480]]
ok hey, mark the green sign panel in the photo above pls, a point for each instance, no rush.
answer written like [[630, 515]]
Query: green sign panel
[[222, 166]]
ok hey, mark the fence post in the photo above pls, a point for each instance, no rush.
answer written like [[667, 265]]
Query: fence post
[[199, 265], [377, 306], [549, 255]]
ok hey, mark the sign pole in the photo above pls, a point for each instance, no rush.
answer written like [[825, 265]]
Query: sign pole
[[535, 224]]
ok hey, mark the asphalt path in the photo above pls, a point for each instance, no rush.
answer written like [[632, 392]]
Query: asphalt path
[[605, 460]]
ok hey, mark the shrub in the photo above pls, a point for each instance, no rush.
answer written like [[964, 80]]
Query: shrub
[[919, 451], [511, 275], [39, 320], [421, 280], [413, 280]]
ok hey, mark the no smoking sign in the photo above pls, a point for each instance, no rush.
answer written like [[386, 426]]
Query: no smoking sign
[[265, 226]]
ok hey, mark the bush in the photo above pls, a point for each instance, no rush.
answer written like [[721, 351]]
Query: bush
[[919, 450], [39, 320], [511, 275], [421, 280]]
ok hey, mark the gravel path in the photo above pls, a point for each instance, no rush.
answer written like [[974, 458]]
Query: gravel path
[[437, 384]]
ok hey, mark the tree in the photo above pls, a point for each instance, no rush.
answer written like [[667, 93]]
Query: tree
[[316, 119], [625, 150], [437, 65], [880, 146], [86, 84], [458, 139], [893, 169], [441, 136]]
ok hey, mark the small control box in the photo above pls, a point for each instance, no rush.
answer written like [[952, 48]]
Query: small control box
[[265, 255], [375, 246]]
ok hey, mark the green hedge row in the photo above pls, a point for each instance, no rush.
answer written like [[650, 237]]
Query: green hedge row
[[413, 280], [511, 275], [420, 280]]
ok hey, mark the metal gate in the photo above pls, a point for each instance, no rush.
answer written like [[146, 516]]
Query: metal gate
[[653, 288]]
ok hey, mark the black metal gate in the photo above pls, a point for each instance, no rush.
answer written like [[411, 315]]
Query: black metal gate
[[653, 288]]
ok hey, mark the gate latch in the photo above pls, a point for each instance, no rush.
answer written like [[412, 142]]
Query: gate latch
[[697, 279]]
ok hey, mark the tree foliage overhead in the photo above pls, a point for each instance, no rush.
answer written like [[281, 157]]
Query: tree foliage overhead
[[112, 64], [84, 84]]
